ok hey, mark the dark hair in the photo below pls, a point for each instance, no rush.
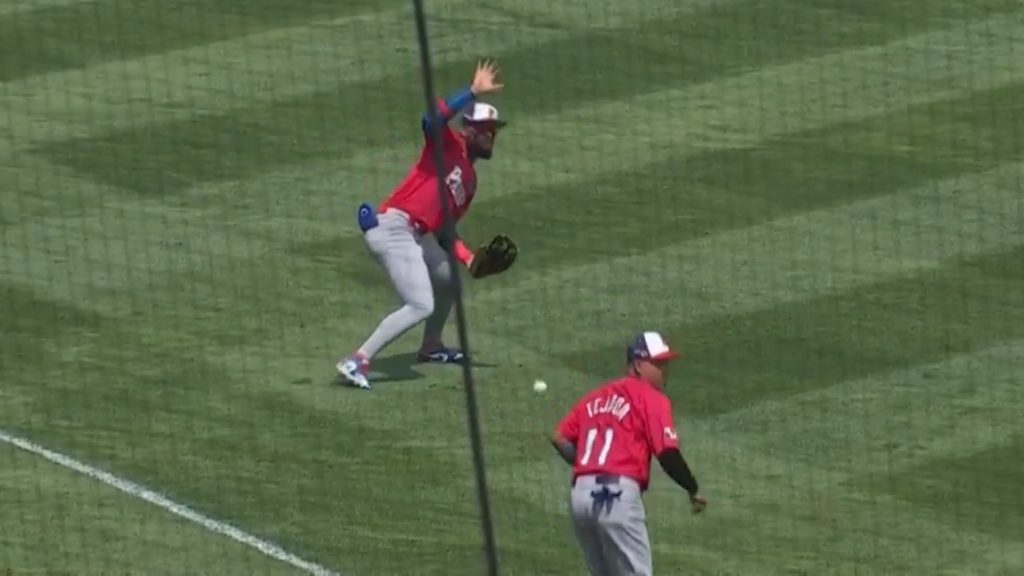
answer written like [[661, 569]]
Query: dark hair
[[631, 367]]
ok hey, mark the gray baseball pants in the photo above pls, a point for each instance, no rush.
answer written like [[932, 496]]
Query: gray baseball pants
[[611, 525], [421, 275]]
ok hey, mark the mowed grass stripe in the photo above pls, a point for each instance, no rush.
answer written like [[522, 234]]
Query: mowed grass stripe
[[219, 397], [8, 7], [336, 54], [598, 14], [694, 195], [745, 485], [521, 189], [941, 70], [889, 424], [800, 256], [324, 187], [854, 448], [609, 13], [214, 397], [74, 35], [917, 446], [237, 432], [776, 494], [218, 76], [106, 253], [390, 530], [325, 190], [742, 111], [695, 280], [806, 342], [300, 129], [823, 520], [55, 521], [82, 243], [253, 365], [979, 489], [762, 499], [332, 257]]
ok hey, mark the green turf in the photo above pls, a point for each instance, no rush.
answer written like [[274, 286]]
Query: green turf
[[55, 521], [87, 32], [967, 497], [818, 201]]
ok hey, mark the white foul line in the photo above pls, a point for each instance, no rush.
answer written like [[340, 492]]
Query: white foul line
[[133, 489]]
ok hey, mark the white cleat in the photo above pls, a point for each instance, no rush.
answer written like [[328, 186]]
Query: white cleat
[[354, 371]]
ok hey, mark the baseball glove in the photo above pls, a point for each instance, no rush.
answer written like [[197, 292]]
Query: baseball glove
[[494, 257]]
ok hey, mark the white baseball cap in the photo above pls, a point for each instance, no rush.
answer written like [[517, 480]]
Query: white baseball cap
[[650, 346], [482, 112]]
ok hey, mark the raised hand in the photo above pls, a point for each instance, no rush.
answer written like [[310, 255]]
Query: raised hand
[[485, 78]]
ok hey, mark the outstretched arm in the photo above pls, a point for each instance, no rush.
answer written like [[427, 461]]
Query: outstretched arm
[[448, 108], [484, 82]]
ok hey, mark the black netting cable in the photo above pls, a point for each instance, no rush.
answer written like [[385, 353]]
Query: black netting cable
[[447, 241]]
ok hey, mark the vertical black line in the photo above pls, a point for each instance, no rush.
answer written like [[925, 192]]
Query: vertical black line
[[447, 242]]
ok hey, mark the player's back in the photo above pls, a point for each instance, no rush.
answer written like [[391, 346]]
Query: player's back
[[613, 435]]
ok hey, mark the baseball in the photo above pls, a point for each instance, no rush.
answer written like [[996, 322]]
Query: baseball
[[539, 386]]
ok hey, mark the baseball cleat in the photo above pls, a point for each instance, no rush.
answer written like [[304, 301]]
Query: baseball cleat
[[354, 371], [442, 356]]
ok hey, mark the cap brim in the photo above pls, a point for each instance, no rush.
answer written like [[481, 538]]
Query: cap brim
[[665, 356], [485, 121]]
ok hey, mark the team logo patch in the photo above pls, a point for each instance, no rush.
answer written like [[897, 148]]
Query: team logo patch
[[670, 433]]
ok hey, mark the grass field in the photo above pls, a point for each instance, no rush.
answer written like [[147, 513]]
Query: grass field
[[820, 201]]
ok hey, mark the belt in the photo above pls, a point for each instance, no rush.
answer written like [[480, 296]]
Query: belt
[[604, 479], [395, 211], [416, 225]]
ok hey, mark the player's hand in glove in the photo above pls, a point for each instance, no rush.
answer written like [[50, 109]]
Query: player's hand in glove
[[698, 503], [493, 257]]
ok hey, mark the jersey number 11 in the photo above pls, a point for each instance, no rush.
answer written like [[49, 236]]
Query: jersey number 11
[[609, 434]]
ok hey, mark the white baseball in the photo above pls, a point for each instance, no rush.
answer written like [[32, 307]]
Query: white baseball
[[539, 385]]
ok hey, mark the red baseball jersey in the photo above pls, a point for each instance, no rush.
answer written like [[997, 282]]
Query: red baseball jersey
[[618, 427], [417, 194]]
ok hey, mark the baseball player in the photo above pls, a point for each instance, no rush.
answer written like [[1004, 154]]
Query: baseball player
[[402, 233], [608, 438]]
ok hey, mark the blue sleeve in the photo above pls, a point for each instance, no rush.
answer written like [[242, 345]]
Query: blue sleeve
[[454, 103]]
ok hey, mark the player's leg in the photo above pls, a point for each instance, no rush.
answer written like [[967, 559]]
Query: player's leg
[[587, 529], [432, 348], [397, 248], [624, 532]]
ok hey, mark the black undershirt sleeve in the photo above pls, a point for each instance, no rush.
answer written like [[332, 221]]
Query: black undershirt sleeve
[[675, 466], [566, 450]]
